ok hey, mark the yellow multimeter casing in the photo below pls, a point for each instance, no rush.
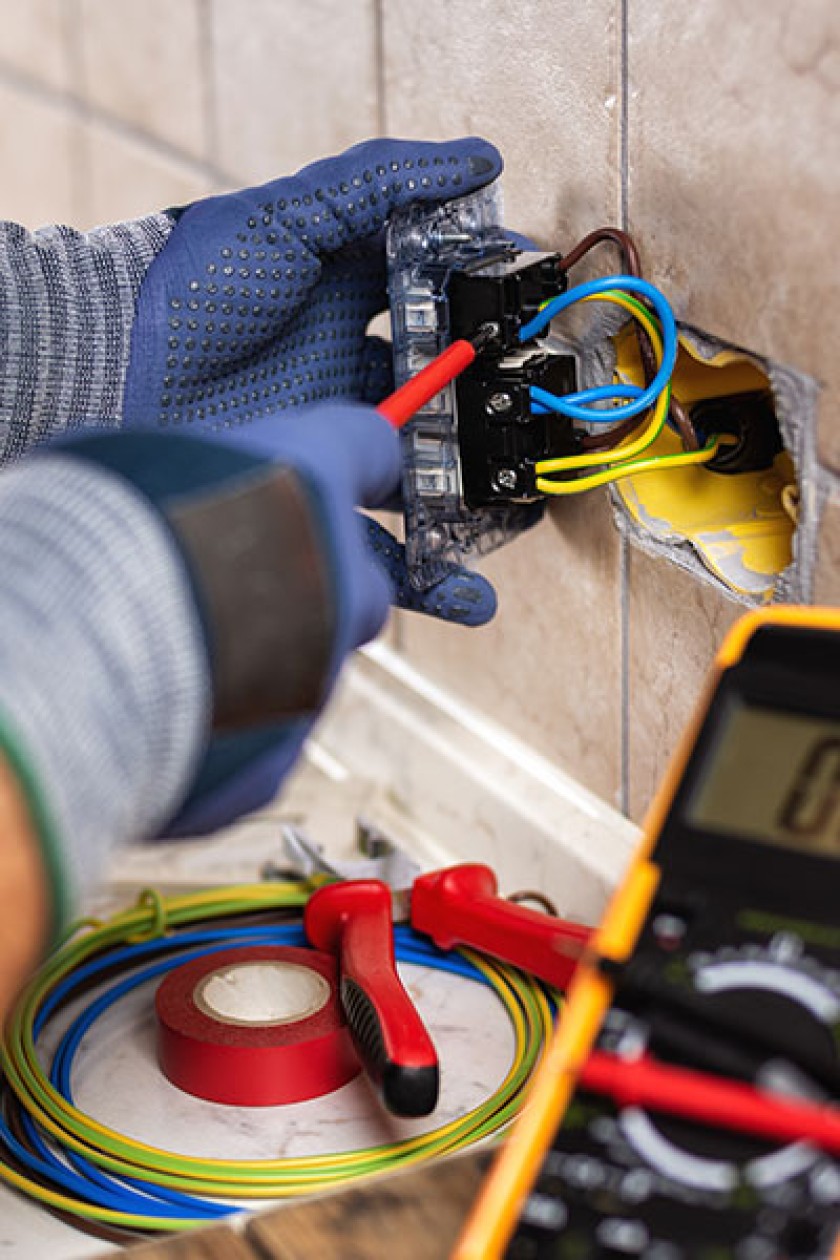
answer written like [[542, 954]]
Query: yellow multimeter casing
[[787, 642]]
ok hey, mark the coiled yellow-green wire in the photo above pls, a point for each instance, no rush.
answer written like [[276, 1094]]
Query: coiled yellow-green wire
[[524, 1000]]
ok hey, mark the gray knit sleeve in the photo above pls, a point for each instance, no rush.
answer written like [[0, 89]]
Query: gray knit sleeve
[[67, 302], [104, 679]]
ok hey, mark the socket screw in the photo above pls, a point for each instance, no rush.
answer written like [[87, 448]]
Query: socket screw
[[499, 403], [506, 479]]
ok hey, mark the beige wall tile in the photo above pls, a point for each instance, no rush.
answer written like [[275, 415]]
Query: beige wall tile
[[541, 81], [293, 82], [34, 39], [547, 667], [126, 179], [827, 576], [676, 625], [734, 146], [38, 146], [142, 63]]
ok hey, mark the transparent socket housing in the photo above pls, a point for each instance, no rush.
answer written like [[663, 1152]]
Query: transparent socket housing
[[424, 247]]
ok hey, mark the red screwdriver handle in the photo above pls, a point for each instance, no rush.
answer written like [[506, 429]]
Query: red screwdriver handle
[[400, 406], [353, 920], [460, 906]]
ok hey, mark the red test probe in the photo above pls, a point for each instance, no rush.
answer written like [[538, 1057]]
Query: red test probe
[[710, 1100], [399, 407]]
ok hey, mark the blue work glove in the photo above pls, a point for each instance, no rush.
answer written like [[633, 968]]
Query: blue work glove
[[259, 303], [283, 577]]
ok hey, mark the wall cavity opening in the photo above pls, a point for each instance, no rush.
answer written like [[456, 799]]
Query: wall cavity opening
[[746, 521]]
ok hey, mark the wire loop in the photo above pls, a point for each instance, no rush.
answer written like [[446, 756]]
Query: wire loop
[[150, 899]]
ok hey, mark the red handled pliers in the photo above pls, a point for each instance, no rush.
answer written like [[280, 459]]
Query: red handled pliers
[[455, 906]]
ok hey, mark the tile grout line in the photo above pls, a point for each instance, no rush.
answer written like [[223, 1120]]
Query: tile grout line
[[624, 141], [84, 111], [396, 622], [209, 101], [379, 66], [71, 27], [624, 554]]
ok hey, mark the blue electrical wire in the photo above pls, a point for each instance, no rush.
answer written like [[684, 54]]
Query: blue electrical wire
[[579, 405], [544, 401], [81, 1176]]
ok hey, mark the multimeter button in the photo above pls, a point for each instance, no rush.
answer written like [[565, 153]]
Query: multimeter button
[[545, 1211], [619, 1236], [669, 930]]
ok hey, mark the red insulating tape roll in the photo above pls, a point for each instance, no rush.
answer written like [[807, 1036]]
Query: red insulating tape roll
[[226, 1058]]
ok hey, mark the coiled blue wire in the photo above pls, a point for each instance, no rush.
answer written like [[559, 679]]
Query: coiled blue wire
[[580, 405], [78, 1175]]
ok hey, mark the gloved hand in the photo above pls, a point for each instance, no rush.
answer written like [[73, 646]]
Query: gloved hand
[[160, 589], [285, 580], [260, 300]]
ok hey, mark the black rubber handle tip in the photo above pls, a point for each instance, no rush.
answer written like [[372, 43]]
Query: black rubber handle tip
[[410, 1091]]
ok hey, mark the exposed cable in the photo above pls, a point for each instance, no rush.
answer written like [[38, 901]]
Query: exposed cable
[[620, 461], [632, 265], [579, 405], [573, 463], [633, 468]]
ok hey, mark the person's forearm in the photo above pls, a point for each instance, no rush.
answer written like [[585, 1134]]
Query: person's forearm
[[25, 904], [103, 690], [67, 303]]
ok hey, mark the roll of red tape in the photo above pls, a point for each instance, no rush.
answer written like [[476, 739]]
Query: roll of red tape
[[254, 1027]]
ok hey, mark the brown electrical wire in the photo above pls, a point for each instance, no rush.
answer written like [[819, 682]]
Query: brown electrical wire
[[625, 243], [633, 266]]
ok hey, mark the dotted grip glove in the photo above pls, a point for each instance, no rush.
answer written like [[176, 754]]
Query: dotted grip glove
[[260, 300]]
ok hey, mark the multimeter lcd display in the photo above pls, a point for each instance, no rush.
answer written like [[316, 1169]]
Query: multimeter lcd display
[[772, 777]]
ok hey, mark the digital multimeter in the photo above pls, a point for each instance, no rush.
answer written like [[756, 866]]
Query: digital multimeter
[[718, 960]]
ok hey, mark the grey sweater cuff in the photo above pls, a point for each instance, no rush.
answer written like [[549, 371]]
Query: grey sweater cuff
[[104, 680], [67, 306]]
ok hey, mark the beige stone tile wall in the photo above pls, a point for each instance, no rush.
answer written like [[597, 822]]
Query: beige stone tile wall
[[712, 131]]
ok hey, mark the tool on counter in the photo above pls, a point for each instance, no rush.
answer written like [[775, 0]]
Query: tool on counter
[[254, 1027], [353, 921], [455, 906], [687, 1105], [461, 906]]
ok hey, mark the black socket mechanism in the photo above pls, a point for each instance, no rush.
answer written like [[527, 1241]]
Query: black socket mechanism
[[500, 440]]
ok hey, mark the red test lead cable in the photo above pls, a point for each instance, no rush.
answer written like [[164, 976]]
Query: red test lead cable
[[399, 407], [719, 1103]]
